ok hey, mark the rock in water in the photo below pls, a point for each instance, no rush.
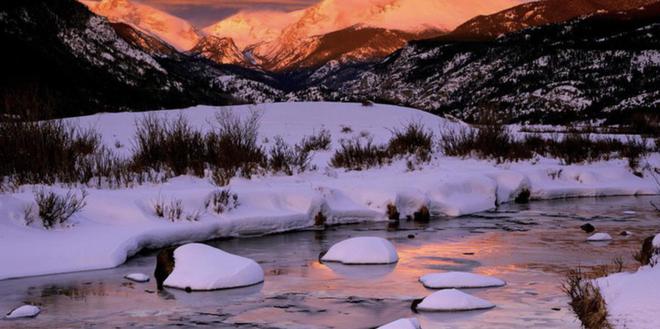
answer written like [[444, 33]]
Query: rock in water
[[199, 267], [588, 228], [164, 266], [137, 277], [362, 251], [459, 280], [25, 311], [452, 300], [600, 237], [411, 323]]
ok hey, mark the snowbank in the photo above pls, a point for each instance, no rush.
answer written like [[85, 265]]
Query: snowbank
[[411, 323], [362, 251], [459, 280], [632, 298], [116, 224], [452, 300], [202, 267], [25, 311]]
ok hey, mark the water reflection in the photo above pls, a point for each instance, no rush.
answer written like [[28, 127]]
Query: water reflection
[[299, 292]]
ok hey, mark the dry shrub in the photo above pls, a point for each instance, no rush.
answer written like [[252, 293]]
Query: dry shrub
[[55, 209], [233, 144], [358, 154], [586, 300], [45, 152], [287, 159], [413, 139], [317, 142], [222, 201], [174, 145]]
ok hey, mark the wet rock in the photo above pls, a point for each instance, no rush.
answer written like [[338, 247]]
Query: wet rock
[[416, 303], [164, 266], [320, 219], [422, 215], [523, 197], [588, 228], [648, 251], [393, 213]]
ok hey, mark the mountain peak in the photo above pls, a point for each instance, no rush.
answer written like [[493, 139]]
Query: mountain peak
[[171, 29], [113, 4]]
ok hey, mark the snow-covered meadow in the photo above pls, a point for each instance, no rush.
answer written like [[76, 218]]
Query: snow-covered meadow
[[117, 223]]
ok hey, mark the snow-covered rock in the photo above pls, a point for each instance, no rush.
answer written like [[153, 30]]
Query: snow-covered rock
[[410, 323], [450, 300], [459, 280], [25, 311], [600, 237], [137, 277], [202, 267], [362, 250]]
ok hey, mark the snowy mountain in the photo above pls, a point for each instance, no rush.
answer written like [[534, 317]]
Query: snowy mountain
[[279, 41], [74, 62], [600, 66], [173, 30], [537, 13], [219, 50]]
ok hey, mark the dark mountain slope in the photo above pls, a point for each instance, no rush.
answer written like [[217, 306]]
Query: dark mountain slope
[[60, 58], [536, 13], [595, 67]]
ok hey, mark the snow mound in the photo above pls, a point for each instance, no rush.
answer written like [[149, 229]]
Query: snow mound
[[459, 280], [411, 323], [201, 267], [362, 251], [600, 237], [137, 277], [25, 311], [451, 300]]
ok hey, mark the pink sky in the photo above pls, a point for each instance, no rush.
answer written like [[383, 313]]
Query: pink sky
[[204, 12]]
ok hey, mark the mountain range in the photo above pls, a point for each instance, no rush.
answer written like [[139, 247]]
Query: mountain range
[[279, 41], [544, 61]]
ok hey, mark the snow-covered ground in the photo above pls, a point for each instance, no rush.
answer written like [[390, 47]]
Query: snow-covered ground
[[632, 298], [116, 224]]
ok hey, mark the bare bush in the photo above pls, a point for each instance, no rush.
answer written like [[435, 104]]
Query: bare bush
[[222, 201], [317, 142], [491, 141], [172, 210], [44, 152], [233, 144], [174, 145], [287, 159], [587, 301], [413, 139], [55, 209], [357, 154]]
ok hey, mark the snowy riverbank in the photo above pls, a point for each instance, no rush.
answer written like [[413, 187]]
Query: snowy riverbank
[[116, 224]]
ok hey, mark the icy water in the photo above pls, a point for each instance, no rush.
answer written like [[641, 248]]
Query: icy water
[[529, 246]]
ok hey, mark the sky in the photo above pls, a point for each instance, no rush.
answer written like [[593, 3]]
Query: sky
[[205, 12]]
